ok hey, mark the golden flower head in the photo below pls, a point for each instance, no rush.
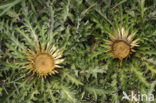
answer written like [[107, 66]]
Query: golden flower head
[[44, 60], [122, 43]]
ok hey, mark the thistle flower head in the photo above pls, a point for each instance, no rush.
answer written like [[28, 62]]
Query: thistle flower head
[[44, 60], [122, 43]]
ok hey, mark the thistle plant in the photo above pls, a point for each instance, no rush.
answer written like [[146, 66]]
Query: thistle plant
[[119, 37], [36, 67]]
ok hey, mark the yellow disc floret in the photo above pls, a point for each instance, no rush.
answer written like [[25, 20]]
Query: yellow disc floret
[[44, 63], [120, 50]]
